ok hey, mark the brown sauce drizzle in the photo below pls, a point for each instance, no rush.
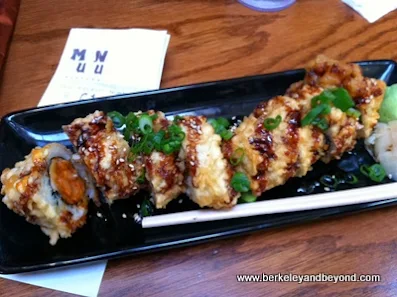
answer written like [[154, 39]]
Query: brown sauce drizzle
[[291, 141], [193, 125], [263, 143]]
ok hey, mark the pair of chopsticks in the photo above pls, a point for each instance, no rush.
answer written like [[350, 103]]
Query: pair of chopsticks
[[291, 204]]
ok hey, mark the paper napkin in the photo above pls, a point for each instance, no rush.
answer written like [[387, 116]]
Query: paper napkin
[[372, 10], [103, 62], [97, 63], [83, 280]]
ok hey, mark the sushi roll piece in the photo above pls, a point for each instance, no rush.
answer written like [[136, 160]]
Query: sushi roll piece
[[275, 153], [164, 176], [341, 134], [50, 188], [104, 151], [207, 172], [367, 93]]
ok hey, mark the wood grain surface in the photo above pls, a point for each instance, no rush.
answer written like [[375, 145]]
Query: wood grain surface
[[213, 40]]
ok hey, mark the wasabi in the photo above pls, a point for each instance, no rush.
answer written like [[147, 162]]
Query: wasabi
[[388, 110]]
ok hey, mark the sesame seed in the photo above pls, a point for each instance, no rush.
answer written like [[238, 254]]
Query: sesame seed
[[124, 149], [192, 163], [90, 149], [326, 189], [138, 206], [108, 137], [117, 162], [390, 176], [124, 216], [234, 117], [180, 201], [137, 218], [121, 160], [99, 215], [135, 188]]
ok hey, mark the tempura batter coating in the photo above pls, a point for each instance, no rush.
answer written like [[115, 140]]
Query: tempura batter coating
[[207, 172], [105, 152]]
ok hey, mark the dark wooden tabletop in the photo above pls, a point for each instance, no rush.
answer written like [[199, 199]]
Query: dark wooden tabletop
[[213, 40]]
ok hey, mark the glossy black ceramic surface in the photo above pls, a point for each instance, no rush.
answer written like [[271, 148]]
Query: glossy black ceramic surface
[[23, 247]]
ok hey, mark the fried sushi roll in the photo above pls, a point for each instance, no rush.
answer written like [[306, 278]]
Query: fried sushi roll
[[341, 134], [367, 93], [207, 172], [162, 172], [273, 154], [50, 188], [105, 153]]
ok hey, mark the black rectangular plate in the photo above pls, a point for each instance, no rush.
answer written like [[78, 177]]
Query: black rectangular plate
[[23, 247]]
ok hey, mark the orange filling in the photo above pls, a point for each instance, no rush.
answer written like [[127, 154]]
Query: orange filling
[[68, 183]]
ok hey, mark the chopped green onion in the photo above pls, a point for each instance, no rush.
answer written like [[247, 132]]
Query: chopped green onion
[[213, 123], [145, 124], [321, 123], [158, 138], [248, 197], [314, 113], [226, 134], [148, 147], [131, 125], [326, 97], [237, 156], [342, 100], [146, 208], [240, 182], [365, 169], [177, 118], [117, 118], [352, 112], [176, 131], [272, 123], [223, 122], [329, 181], [220, 126], [167, 149], [375, 172], [180, 136], [351, 179]]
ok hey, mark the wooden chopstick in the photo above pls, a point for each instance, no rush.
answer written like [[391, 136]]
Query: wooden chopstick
[[291, 204]]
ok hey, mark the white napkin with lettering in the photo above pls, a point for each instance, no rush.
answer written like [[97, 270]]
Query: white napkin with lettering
[[103, 62], [97, 63], [372, 10]]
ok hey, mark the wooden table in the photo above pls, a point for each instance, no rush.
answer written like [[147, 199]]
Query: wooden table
[[213, 40]]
